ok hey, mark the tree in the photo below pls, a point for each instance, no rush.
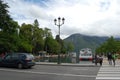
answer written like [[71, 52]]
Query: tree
[[69, 46], [60, 42], [111, 45], [37, 37], [52, 45], [36, 23], [47, 34], [4, 16], [27, 37], [33, 35], [8, 30]]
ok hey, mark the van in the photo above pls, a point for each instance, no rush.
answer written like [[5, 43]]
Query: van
[[19, 60]]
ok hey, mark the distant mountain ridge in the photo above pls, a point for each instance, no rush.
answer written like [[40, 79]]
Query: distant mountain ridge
[[83, 41]]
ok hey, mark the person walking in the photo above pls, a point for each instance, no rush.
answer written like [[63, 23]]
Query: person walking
[[109, 56], [96, 59], [114, 57], [100, 60]]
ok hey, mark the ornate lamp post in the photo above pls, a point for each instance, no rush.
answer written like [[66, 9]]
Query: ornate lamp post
[[59, 22]]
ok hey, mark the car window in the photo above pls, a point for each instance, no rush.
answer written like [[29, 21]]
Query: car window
[[14, 56], [0, 59], [22, 56], [8, 57]]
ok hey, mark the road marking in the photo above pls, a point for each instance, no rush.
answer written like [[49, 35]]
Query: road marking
[[108, 73], [80, 69], [110, 70], [113, 78], [47, 73], [111, 75]]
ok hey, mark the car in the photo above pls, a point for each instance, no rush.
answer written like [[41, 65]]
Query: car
[[19, 60]]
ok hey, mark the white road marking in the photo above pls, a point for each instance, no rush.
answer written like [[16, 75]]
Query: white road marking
[[111, 75], [108, 73], [80, 69], [47, 73], [110, 70], [108, 78]]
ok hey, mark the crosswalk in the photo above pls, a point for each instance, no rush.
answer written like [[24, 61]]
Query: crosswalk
[[109, 72]]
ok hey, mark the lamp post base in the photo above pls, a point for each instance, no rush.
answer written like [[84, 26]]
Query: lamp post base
[[59, 62]]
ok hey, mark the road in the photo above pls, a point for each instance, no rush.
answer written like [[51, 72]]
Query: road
[[43, 72], [109, 72]]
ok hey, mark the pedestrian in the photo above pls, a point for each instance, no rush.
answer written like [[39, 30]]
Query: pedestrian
[[109, 56], [96, 59], [100, 60], [114, 57]]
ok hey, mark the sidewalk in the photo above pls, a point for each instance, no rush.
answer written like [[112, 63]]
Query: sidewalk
[[105, 62], [66, 64]]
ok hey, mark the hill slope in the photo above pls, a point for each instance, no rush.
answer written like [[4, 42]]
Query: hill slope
[[83, 41]]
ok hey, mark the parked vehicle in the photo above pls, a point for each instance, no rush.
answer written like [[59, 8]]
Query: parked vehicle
[[19, 60], [86, 55]]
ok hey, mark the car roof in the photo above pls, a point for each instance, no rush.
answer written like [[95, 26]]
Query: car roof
[[21, 53]]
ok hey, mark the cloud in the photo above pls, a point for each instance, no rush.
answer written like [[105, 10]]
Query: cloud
[[108, 27], [90, 17]]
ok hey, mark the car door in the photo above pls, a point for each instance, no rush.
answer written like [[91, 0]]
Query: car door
[[15, 59], [7, 60]]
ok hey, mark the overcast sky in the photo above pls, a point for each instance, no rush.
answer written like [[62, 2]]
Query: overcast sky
[[89, 17]]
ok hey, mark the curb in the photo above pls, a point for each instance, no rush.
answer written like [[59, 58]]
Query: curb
[[66, 64]]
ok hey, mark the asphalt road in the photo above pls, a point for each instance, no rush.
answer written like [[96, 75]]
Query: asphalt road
[[43, 72]]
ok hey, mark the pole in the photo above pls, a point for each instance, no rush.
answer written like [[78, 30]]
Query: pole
[[59, 61], [59, 24]]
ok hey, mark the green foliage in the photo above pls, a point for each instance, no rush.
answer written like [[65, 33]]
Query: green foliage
[[4, 16], [8, 42], [111, 45], [40, 39], [36, 23], [68, 46], [26, 32], [47, 33], [52, 45], [25, 38], [24, 46], [33, 35], [8, 30]]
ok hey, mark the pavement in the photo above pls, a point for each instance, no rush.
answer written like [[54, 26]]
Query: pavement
[[105, 62], [65, 64], [81, 64]]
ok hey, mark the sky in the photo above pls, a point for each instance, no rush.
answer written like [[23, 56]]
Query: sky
[[88, 17]]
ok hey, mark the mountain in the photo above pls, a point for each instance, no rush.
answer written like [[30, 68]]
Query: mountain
[[83, 41]]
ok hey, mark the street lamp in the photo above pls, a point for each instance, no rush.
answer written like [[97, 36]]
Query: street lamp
[[59, 22]]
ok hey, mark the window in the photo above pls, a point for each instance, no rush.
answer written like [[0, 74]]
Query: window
[[8, 57], [14, 56], [22, 56], [86, 54]]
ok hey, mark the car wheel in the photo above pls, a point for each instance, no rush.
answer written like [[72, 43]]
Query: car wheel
[[20, 66]]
